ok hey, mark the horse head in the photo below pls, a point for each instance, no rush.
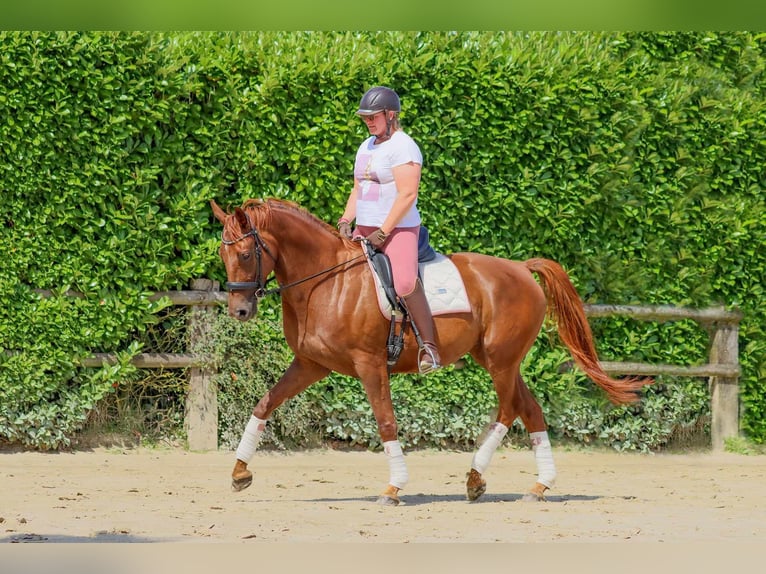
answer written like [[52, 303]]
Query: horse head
[[247, 258]]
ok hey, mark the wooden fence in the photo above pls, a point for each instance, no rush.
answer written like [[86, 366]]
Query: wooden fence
[[722, 368]]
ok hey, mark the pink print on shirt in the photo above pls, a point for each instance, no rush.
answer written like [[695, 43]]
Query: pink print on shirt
[[369, 188], [369, 191]]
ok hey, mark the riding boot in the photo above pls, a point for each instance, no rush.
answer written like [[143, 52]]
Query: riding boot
[[420, 313]]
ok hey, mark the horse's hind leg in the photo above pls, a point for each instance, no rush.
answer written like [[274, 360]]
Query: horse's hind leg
[[514, 400], [299, 375], [534, 421], [507, 413], [476, 485]]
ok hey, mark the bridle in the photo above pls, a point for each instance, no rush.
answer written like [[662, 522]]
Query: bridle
[[259, 285]]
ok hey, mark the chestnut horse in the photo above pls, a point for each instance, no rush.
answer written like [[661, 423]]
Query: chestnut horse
[[332, 322]]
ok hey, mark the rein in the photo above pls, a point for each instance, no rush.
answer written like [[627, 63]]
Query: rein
[[259, 285], [310, 277]]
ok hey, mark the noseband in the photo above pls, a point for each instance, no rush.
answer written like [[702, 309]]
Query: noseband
[[259, 285]]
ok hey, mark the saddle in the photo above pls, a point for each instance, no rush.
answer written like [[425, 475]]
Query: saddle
[[382, 267]]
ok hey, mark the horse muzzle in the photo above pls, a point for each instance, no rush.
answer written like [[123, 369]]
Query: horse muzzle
[[242, 306], [243, 309]]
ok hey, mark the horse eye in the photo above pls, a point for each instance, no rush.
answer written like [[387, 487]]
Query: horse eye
[[245, 255]]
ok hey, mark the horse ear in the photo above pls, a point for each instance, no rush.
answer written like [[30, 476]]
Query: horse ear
[[244, 222], [219, 213]]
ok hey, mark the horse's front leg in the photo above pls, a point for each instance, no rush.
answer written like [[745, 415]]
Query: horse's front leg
[[378, 389], [300, 375]]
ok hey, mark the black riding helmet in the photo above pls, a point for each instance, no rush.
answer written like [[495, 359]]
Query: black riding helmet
[[378, 99]]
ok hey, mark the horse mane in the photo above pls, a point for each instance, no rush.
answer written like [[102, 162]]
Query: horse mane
[[262, 212]]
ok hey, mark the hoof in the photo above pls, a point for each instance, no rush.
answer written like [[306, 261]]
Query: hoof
[[475, 485], [537, 494], [389, 497], [384, 500], [533, 497], [242, 482]]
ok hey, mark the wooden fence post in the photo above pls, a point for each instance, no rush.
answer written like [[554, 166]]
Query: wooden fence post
[[201, 416], [724, 390]]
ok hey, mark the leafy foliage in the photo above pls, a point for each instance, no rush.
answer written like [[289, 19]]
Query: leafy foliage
[[635, 159], [248, 359]]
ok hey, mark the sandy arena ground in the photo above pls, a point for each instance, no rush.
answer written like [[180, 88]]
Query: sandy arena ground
[[148, 495]]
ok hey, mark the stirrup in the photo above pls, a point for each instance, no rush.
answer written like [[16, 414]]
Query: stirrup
[[424, 366]]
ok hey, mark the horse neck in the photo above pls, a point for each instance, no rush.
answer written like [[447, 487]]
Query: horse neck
[[305, 247]]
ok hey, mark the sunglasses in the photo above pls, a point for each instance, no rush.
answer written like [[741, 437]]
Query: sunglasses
[[371, 117]]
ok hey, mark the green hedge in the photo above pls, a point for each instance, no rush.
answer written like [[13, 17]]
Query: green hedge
[[634, 159]]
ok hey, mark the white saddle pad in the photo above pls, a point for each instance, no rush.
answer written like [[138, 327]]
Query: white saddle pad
[[442, 283]]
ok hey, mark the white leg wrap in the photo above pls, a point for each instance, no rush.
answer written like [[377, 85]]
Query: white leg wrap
[[546, 470], [483, 456], [250, 439], [396, 465]]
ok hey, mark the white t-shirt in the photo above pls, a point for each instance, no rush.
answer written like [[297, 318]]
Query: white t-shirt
[[377, 190]]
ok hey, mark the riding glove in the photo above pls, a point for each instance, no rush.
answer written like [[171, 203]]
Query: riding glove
[[344, 227], [377, 238]]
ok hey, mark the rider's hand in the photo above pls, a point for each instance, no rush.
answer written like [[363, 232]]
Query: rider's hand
[[344, 227], [377, 238]]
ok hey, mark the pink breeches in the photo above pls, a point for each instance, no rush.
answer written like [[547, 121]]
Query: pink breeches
[[402, 250]]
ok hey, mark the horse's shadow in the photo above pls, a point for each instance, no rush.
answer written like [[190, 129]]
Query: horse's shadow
[[99, 537], [421, 499]]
